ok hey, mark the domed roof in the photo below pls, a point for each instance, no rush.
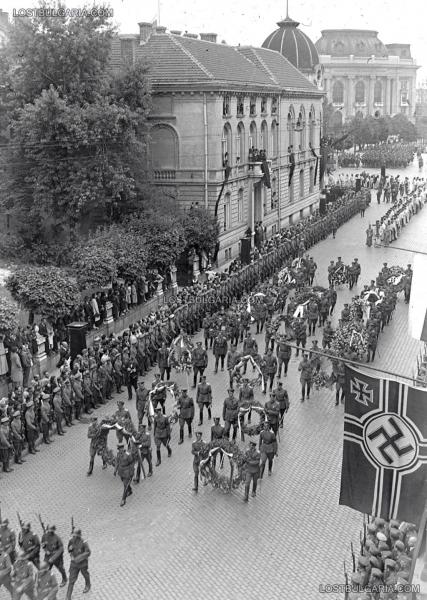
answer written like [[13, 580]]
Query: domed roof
[[293, 44], [343, 42]]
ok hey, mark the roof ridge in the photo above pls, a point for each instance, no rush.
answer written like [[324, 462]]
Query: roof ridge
[[190, 55], [264, 65]]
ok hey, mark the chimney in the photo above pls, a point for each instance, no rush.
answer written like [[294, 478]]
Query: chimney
[[208, 37], [145, 31], [193, 36], [176, 32], [160, 29], [4, 18]]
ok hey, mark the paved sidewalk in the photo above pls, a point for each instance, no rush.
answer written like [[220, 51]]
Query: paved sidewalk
[[169, 543]]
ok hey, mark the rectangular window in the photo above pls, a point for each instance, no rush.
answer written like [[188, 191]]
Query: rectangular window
[[240, 207], [238, 148], [227, 215]]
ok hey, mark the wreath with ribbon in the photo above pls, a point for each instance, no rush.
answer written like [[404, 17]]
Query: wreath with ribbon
[[255, 381], [180, 354], [208, 472], [171, 389], [247, 429]]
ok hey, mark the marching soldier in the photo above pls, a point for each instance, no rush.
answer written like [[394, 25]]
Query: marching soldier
[[233, 358], [142, 396], [123, 419], [267, 447], [313, 316], [7, 540], [143, 440], [300, 334], [328, 334], [272, 412], [282, 398], [31, 428], [230, 413], [158, 396], [270, 369], [217, 433], [252, 458], [306, 376], [79, 554], [204, 398], [46, 584], [186, 414], [93, 433], [54, 552], [22, 577], [207, 331], [162, 434], [163, 362], [220, 348], [196, 447], [5, 446], [5, 571], [246, 397], [200, 361], [30, 544], [125, 467], [283, 352]]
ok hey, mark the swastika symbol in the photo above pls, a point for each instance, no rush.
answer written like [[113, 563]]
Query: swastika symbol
[[390, 441], [361, 391]]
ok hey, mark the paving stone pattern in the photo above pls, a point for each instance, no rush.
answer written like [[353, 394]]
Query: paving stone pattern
[[168, 542]]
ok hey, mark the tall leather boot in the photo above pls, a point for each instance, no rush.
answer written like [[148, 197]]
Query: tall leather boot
[[159, 458], [190, 432], [69, 591], [90, 471], [169, 449], [201, 416], [181, 435], [196, 483], [209, 412], [87, 582], [246, 498], [261, 473]]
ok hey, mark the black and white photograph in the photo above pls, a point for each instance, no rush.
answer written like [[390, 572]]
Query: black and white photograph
[[213, 300]]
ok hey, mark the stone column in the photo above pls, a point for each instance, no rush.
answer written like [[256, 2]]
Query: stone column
[[386, 96], [41, 348], [173, 271], [370, 100], [350, 101], [109, 316]]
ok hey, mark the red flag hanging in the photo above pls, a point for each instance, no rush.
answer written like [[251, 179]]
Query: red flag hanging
[[384, 466]]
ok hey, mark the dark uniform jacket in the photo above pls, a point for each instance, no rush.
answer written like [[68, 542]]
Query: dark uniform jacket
[[196, 447], [267, 442], [230, 410], [161, 427], [76, 547], [252, 459], [217, 432], [125, 465], [204, 393], [186, 407], [200, 357]]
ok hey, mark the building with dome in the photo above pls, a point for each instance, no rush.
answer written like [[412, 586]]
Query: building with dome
[[297, 48], [362, 76]]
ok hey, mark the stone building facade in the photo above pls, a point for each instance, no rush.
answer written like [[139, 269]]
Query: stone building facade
[[213, 103], [361, 75]]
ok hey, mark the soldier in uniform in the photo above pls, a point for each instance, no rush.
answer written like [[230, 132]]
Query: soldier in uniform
[[217, 433], [125, 467], [332, 293], [200, 362], [163, 362], [30, 544], [79, 554], [93, 433], [230, 414], [7, 540], [67, 402], [159, 395], [252, 458], [267, 447], [124, 419], [345, 314], [46, 584], [328, 334], [313, 316], [220, 348], [270, 368], [282, 398], [31, 428], [142, 395], [131, 377], [306, 369], [162, 434], [272, 412], [6, 447], [284, 352], [207, 326], [17, 439], [143, 441], [204, 398], [233, 358], [196, 447], [22, 577], [186, 414], [300, 334], [5, 571], [54, 551], [58, 411], [246, 396], [250, 347]]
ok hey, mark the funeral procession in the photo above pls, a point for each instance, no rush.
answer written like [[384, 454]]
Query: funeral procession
[[213, 301]]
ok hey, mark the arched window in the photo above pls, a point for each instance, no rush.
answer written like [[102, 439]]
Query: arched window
[[301, 128], [301, 183], [274, 199], [240, 106], [378, 92], [275, 139], [274, 106], [240, 205], [227, 211], [338, 92], [226, 145], [164, 148], [252, 136], [226, 106], [263, 140], [240, 144], [252, 106], [311, 126], [359, 93], [291, 125]]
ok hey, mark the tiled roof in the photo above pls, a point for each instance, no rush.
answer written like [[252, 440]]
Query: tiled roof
[[278, 67], [293, 44]]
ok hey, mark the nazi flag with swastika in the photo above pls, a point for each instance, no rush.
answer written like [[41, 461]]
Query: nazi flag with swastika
[[384, 464]]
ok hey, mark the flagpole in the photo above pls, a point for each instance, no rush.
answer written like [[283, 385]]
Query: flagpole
[[349, 361], [403, 249]]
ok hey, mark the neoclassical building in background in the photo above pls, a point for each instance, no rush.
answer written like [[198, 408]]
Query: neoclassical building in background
[[361, 75], [213, 103]]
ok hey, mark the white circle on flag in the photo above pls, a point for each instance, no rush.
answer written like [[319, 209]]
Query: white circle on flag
[[390, 441]]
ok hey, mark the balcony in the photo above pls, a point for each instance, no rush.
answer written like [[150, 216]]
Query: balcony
[[165, 174]]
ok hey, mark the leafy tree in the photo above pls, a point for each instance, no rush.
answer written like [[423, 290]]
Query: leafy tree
[[95, 265], [8, 317], [201, 230], [48, 291]]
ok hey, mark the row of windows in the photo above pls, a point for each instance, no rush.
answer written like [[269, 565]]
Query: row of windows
[[228, 213], [360, 92], [264, 104]]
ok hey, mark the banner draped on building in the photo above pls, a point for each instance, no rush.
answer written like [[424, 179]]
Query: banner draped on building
[[384, 465], [418, 302]]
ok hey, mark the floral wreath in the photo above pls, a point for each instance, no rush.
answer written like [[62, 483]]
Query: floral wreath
[[172, 389], [209, 474], [237, 375], [180, 355], [247, 429]]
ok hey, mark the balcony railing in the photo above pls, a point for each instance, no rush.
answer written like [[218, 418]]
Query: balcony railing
[[165, 174]]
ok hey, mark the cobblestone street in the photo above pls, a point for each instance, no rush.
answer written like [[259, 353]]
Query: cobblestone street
[[168, 542]]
